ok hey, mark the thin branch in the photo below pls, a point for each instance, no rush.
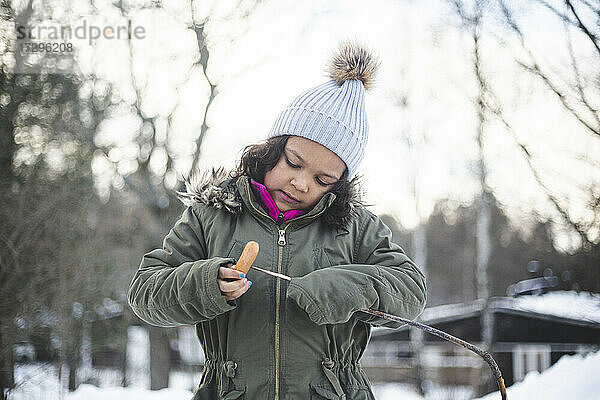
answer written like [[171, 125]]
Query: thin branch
[[563, 17], [480, 107], [578, 79], [486, 101], [143, 170], [466, 20], [536, 70], [199, 30], [15, 258], [203, 129], [202, 62], [510, 21], [590, 6], [577, 22], [582, 26], [579, 228]]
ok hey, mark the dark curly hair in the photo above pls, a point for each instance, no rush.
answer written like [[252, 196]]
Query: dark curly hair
[[258, 159]]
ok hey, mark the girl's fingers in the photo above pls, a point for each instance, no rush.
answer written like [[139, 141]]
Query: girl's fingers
[[226, 272], [232, 283], [237, 293], [227, 287]]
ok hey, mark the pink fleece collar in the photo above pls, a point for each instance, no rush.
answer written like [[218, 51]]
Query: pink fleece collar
[[269, 204]]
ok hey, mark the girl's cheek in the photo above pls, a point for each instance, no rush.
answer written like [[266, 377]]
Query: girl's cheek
[[274, 177]]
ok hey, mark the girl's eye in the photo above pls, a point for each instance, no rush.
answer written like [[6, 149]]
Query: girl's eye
[[320, 182], [291, 164]]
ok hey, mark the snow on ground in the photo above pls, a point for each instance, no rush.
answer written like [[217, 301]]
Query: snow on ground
[[89, 392], [394, 391], [36, 382], [572, 377], [39, 381], [399, 391]]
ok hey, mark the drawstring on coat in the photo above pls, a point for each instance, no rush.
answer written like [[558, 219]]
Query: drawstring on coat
[[328, 365], [227, 372]]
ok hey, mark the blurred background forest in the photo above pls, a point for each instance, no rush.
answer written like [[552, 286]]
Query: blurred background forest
[[91, 156]]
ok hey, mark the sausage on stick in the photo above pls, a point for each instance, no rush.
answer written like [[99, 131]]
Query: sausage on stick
[[247, 258]]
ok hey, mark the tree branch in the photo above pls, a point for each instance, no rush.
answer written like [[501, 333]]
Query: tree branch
[[578, 80], [535, 69], [578, 227], [582, 26]]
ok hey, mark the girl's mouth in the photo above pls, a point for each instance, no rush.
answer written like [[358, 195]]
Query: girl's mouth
[[288, 198]]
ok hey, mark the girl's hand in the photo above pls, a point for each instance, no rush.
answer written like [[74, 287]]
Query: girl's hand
[[232, 283]]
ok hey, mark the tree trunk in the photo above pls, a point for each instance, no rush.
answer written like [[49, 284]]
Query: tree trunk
[[73, 350], [419, 239], [7, 376], [124, 371], [7, 114], [417, 342], [72, 359], [160, 358], [483, 284]]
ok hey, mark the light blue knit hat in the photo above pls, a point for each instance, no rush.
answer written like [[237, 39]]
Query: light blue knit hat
[[333, 114]]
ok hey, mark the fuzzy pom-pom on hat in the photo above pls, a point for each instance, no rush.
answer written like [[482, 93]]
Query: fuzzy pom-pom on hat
[[353, 61], [333, 113]]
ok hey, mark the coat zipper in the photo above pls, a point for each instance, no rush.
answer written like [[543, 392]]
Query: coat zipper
[[281, 242]]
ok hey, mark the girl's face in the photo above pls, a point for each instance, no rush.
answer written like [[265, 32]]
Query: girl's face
[[305, 171]]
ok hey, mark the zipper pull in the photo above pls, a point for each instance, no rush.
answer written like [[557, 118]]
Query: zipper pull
[[281, 240], [280, 218]]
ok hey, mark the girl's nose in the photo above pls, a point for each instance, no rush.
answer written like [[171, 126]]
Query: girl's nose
[[299, 184]]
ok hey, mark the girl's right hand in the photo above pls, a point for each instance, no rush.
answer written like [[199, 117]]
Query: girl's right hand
[[232, 283]]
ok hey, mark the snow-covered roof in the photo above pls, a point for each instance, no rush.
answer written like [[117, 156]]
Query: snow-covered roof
[[582, 306], [579, 306], [451, 311]]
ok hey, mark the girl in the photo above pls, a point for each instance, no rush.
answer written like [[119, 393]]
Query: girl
[[295, 194]]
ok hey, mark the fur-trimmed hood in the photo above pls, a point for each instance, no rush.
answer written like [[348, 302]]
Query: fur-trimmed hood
[[217, 188]]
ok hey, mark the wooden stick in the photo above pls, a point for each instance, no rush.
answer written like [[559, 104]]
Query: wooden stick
[[446, 336], [484, 354]]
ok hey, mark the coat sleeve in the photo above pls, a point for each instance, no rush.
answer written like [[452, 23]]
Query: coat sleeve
[[384, 279], [177, 284]]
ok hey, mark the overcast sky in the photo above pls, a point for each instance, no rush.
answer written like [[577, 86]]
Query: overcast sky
[[282, 50]]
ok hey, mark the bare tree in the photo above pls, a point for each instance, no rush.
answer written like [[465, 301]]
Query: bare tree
[[51, 254], [152, 189], [578, 94], [576, 89], [29, 103], [414, 143], [472, 23]]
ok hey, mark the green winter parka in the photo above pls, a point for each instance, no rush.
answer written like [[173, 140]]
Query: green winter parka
[[280, 340]]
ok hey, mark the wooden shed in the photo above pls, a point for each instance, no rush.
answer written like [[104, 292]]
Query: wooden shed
[[529, 333]]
